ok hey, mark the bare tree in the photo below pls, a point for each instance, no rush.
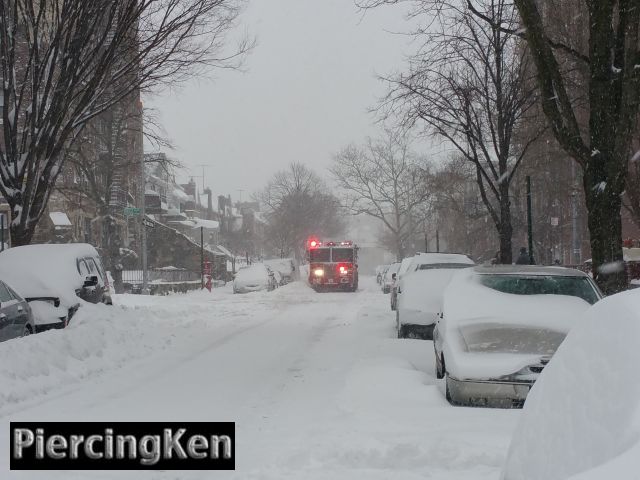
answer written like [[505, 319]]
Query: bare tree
[[611, 99], [469, 85], [387, 181], [65, 62], [298, 205]]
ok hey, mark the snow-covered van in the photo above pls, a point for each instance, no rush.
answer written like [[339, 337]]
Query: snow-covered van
[[55, 279]]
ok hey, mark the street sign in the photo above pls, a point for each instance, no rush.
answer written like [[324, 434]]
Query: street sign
[[131, 211], [148, 223]]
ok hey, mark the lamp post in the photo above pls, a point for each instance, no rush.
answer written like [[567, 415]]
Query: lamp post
[[143, 230]]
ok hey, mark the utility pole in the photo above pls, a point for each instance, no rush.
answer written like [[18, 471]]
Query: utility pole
[[575, 242], [203, 166], [529, 221], [201, 258], [437, 240], [143, 229]]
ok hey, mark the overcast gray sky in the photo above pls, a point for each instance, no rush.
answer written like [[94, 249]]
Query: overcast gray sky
[[305, 93]]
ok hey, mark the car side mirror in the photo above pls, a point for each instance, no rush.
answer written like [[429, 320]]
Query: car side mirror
[[91, 281]]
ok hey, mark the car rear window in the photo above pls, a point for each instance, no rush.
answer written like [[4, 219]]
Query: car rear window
[[542, 285]]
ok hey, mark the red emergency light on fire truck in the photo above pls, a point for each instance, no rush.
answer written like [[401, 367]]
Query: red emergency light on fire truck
[[333, 265]]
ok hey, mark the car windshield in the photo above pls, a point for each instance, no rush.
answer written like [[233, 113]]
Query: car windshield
[[542, 285], [320, 255], [342, 254]]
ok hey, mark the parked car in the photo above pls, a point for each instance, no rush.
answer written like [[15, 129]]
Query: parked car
[[55, 279], [254, 278], [380, 271], [405, 265], [16, 319], [389, 277], [501, 325], [419, 293], [284, 268]]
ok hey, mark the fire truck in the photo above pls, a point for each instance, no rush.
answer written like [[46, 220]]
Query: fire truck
[[333, 265]]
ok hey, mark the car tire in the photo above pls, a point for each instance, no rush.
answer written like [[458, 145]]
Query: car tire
[[447, 391], [26, 331], [439, 366]]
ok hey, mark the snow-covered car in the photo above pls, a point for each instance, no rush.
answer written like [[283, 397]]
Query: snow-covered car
[[285, 268], [16, 319], [419, 302], [404, 268], [500, 326], [389, 277], [380, 270], [55, 279], [254, 278], [581, 419]]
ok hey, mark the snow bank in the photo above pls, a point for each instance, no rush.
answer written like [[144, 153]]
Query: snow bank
[[581, 420], [98, 340]]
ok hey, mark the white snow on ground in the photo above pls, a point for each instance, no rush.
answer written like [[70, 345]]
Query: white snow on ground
[[317, 384], [581, 418]]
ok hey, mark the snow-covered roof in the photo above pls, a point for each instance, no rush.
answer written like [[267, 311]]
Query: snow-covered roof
[[197, 223], [225, 251], [181, 194], [60, 219]]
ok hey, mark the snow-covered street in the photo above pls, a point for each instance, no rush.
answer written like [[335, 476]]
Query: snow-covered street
[[318, 385]]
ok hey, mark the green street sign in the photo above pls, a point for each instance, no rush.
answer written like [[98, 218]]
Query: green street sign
[[131, 211]]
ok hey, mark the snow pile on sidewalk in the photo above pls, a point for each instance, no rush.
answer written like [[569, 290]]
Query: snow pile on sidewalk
[[581, 420], [99, 339]]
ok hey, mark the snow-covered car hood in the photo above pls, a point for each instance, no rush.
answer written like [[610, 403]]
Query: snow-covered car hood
[[495, 337]]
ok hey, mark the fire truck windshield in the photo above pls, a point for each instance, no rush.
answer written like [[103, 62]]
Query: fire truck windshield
[[342, 255], [320, 255]]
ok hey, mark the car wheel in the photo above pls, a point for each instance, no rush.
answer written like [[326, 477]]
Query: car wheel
[[26, 331], [439, 366], [447, 391]]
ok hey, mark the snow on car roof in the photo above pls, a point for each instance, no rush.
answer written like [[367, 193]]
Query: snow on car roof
[[427, 258], [45, 270], [528, 270]]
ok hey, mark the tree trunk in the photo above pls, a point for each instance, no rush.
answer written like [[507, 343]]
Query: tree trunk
[[605, 227], [505, 228], [21, 233], [399, 248], [505, 232]]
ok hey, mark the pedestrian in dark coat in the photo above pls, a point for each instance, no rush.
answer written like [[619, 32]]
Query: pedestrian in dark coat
[[523, 258]]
